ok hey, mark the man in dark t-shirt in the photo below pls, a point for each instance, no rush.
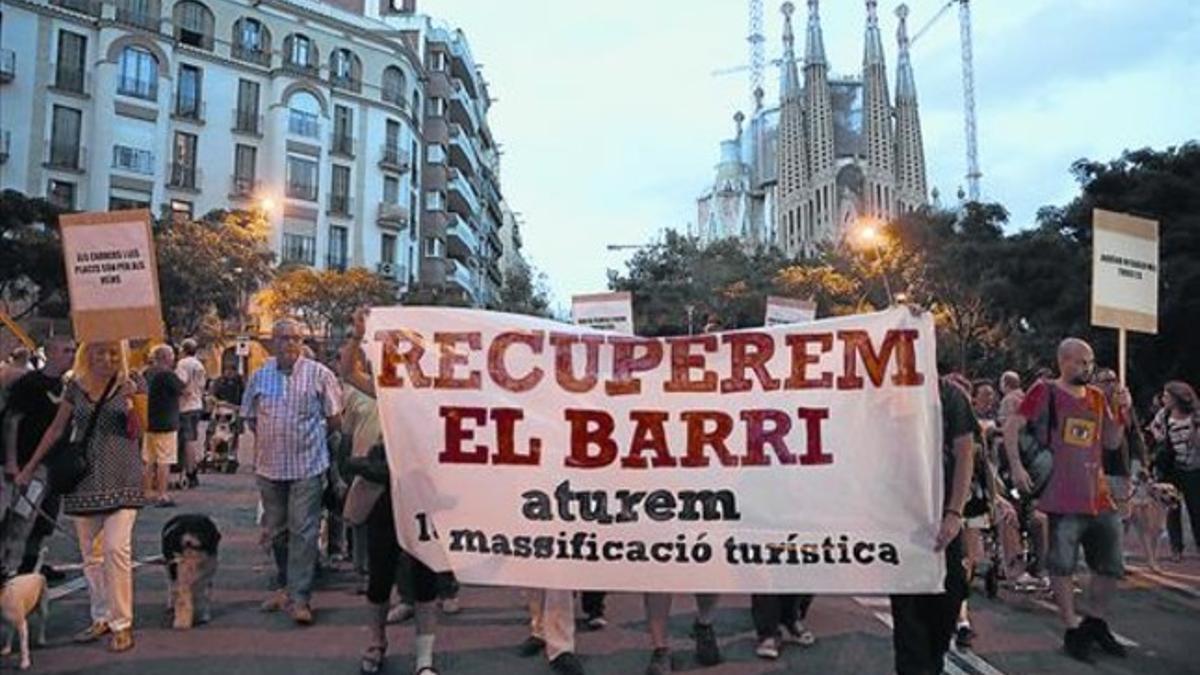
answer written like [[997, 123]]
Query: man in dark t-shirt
[[922, 625], [33, 401], [160, 445]]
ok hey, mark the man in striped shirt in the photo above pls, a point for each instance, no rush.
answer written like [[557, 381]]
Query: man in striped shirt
[[289, 404]]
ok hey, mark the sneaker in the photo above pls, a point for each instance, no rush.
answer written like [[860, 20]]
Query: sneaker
[[277, 602], [708, 652], [768, 648], [964, 637], [1078, 644], [400, 613], [1098, 630], [302, 613], [450, 606], [596, 622], [660, 662], [122, 641], [567, 664], [800, 634], [532, 646], [92, 633]]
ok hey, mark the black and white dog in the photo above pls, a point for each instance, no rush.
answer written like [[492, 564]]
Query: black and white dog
[[189, 547]]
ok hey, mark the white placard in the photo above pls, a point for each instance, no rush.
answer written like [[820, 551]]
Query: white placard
[[1124, 271], [789, 310], [525, 452], [604, 311], [109, 266]]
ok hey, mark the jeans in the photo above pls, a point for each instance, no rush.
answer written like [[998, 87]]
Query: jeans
[[291, 516], [923, 624], [1188, 483]]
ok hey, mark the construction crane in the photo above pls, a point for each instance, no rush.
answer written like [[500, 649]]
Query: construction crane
[[968, 82]]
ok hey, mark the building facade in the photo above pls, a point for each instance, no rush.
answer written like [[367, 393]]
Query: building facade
[[834, 150], [314, 112]]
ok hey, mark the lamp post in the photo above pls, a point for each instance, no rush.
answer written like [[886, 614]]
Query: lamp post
[[868, 233]]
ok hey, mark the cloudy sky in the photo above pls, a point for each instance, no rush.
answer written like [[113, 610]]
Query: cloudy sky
[[610, 118]]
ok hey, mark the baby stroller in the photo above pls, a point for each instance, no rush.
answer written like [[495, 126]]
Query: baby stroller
[[221, 440]]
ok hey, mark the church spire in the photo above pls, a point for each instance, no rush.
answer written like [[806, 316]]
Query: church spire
[[910, 151], [791, 157], [789, 86], [815, 49], [873, 51], [877, 122]]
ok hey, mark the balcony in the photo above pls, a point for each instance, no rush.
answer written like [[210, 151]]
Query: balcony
[[251, 54], [71, 79], [301, 69], [460, 196], [5, 145], [298, 189], [346, 82], [393, 216], [66, 157], [340, 205], [244, 187], [461, 239], [182, 176], [89, 7], [462, 151], [133, 160], [493, 271], [138, 18], [8, 65], [462, 106], [341, 143], [393, 158], [191, 110], [460, 274], [247, 122], [336, 262]]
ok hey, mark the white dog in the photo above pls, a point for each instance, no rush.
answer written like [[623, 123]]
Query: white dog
[[20, 597], [1148, 514]]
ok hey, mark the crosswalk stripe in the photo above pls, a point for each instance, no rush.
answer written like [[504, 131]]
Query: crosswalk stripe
[[873, 600], [1128, 642], [975, 661], [1163, 580], [79, 583], [974, 664]]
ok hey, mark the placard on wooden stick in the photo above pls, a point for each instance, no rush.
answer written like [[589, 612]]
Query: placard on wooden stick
[[112, 275], [1124, 271]]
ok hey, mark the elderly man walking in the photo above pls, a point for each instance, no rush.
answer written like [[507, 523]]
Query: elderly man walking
[[289, 404]]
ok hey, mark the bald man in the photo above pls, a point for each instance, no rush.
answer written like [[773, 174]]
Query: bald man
[[1081, 425]]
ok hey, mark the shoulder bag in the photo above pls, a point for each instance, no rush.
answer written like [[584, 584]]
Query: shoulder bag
[[72, 464]]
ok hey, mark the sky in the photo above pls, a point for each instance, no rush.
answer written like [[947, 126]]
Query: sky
[[609, 116]]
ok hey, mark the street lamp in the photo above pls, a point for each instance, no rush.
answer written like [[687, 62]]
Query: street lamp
[[867, 231]]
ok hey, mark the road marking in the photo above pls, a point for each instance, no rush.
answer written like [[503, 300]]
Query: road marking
[[972, 664], [1163, 580], [79, 583], [974, 661], [873, 600], [1128, 642]]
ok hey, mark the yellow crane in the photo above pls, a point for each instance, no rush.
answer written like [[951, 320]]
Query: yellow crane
[[17, 330]]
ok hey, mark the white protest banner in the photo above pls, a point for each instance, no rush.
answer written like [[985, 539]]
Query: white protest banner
[[112, 275], [788, 310], [1124, 271], [526, 452], [604, 311]]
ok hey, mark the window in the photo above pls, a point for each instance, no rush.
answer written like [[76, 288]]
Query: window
[[416, 107], [299, 248], [188, 104], [435, 153], [245, 117], [303, 111], [121, 200], [251, 41], [136, 160], [64, 137], [391, 190], [437, 107], [344, 69], [183, 161], [339, 190], [301, 178], [139, 73], [391, 145], [338, 247], [300, 53], [387, 248], [245, 158], [181, 211], [393, 85], [433, 247], [61, 194], [438, 61], [343, 130], [193, 24], [68, 72], [435, 200], [141, 13]]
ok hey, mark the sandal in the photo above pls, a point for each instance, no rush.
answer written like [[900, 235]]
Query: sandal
[[122, 641], [372, 659]]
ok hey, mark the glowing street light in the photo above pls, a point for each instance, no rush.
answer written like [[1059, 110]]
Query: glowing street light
[[266, 204], [867, 232]]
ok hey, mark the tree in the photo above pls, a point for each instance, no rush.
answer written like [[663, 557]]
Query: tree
[[32, 276], [325, 300], [208, 267], [523, 292]]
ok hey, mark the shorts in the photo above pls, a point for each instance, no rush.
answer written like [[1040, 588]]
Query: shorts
[[160, 447], [1100, 536], [189, 425]]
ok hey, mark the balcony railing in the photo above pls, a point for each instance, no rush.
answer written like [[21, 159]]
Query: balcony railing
[[340, 204], [301, 69], [8, 65], [395, 97], [189, 109], [341, 143], [251, 54], [336, 262], [247, 121], [394, 215], [392, 157], [303, 124], [70, 78], [302, 190], [138, 18], [347, 82], [183, 175], [66, 156], [243, 186], [134, 160], [89, 7]]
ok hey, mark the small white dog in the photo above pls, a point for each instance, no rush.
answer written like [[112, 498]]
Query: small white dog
[[20, 597], [1148, 510]]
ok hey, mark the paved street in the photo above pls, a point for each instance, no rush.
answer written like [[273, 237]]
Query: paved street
[[1018, 634]]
